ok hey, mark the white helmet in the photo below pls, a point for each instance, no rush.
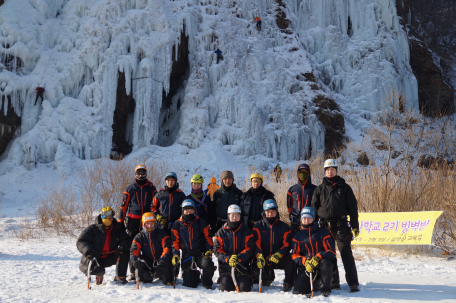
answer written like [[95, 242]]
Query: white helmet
[[330, 163], [234, 209]]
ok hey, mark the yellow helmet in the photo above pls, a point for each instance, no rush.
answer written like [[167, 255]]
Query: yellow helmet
[[256, 175], [197, 179], [140, 166], [107, 212], [148, 217]]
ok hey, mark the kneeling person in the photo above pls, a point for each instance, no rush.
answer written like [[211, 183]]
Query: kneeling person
[[193, 236], [313, 252], [233, 247], [106, 241], [273, 240], [151, 252]]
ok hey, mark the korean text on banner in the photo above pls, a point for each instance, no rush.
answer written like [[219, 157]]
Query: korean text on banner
[[407, 228]]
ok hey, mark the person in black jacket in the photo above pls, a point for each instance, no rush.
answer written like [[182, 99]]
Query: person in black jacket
[[252, 200], [138, 198], [203, 202], [273, 240], [299, 196], [167, 202], [313, 252], [150, 252], [333, 201], [107, 241], [234, 248], [223, 197], [193, 236]]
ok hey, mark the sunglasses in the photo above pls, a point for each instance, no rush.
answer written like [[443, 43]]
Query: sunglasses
[[107, 214], [141, 173]]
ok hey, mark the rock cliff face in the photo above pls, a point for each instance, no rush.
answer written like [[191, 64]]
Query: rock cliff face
[[9, 123], [432, 35]]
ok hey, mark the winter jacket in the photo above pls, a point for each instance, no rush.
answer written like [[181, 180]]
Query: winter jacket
[[310, 242], [298, 197], [151, 245], [272, 238], [204, 208], [212, 187], [192, 238], [137, 200], [168, 204], [223, 198], [252, 205], [257, 19], [228, 242], [335, 202], [93, 238], [218, 52]]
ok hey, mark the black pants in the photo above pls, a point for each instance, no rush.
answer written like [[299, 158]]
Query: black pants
[[145, 275], [39, 96], [191, 276], [244, 283], [323, 272], [133, 227], [108, 261], [285, 263], [259, 27], [219, 57]]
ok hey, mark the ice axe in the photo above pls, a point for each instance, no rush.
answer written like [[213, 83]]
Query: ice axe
[[311, 284], [234, 279], [261, 279], [88, 271], [176, 267], [137, 272]]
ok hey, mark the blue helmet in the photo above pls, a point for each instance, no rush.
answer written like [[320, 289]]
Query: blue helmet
[[269, 204], [308, 212], [171, 175], [188, 203]]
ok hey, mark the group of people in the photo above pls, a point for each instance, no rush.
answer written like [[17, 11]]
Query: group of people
[[159, 233]]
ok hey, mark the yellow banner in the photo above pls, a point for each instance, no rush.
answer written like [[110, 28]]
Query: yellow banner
[[407, 228]]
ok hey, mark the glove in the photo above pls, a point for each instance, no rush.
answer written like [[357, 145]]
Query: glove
[[308, 266], [89, 254], [140, 265], [355, 232], [175, 260], [160, 269], [121, 250], [208, 254], [233, 260], [260, 261], [162, 220], [276, 257], [315, 261]]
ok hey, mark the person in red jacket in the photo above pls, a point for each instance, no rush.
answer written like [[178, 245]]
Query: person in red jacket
[[299, 196], [193, 236], [151, 253], [258, 20], [234, 248], [313, 252], [273, 242], [167, 202], [137, 200], [39, 94]]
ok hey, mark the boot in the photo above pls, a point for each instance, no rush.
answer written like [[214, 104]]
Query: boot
[[335, 286], [287, 287], [122, 280], [132, 276], [354, 288], [208, 287], [99, 280], [325, 294]]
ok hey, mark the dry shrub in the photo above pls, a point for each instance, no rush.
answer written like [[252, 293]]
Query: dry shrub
[[25, 230]]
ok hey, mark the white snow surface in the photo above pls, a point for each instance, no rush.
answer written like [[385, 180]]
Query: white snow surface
[[252, 103]]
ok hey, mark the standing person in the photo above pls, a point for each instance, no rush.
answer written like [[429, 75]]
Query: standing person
[[106, 240], [203, 203], [39, 94], [278, 173], [252, 200], [313, 251], [151, 252], [167, 202], [212, 187], [334, 200], [273, 242], [233, 247], [137, 201], [192, 235], [258, 25], [299, 196], [219, 55], [225, 196]]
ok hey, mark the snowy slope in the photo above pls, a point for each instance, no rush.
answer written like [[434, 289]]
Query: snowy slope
[[252, 103]]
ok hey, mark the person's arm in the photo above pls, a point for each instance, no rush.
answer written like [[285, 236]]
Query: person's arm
[[289, 201], [247, 252], [175, 239], [85, 241], [135, 249], [219, 251], [299, 259], [124, 207], [286, 242], [329, 246], [166, 245], [352, 205], [207, 235], [257, 241], [316, 203]]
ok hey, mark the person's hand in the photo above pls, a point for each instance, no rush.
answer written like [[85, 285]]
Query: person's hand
[[162, 220], [315, 261], [175, 260], [121, 250], [355, 232], [208, 254], [233, 260], [308, 266], [260, 261], [276, 257], [89, 254]]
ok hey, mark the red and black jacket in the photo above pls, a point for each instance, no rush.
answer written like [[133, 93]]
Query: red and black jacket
[[298, 197], [137, 200], [192, 238], [310, 242], [230, 242], [168, 204], [153, 245], [272, 238]]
